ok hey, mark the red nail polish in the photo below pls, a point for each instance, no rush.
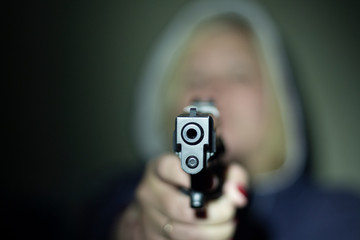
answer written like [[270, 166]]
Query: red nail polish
[[242, 190]]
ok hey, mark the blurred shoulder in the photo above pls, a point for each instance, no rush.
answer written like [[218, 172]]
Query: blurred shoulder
[[308, 211]]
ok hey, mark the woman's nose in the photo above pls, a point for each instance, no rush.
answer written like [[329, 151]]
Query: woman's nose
[[211, 89], [215, 90]]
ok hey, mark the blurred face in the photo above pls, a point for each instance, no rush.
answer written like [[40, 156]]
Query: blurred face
[[222, 66]]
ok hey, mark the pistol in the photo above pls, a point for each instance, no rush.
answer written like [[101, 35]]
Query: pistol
[[196, 144]]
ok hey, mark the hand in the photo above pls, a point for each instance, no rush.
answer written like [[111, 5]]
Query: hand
[[163, 212]]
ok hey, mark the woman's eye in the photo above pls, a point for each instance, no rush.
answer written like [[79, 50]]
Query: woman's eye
[[196, 82]]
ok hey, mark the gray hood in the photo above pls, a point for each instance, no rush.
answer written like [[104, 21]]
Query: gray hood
[[147, 124]]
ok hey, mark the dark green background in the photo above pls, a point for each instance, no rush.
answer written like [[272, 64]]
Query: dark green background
[[74, 66]]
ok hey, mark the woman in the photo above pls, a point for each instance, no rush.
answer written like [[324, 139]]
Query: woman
[[230, 53]]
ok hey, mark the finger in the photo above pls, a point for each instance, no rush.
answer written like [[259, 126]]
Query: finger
[[174, 203], [164, 226], [178, 208], [224, 208], [236, 184], [153, 192], [151, 229], [220, 210], [162, 175], [203, 232], [169, 168]]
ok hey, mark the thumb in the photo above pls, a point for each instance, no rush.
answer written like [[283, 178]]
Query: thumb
[[169, 170], [236, 184]]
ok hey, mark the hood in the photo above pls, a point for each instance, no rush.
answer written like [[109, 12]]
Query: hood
[[148, 129]]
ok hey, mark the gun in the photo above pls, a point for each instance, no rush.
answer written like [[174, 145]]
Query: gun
[[199, 150]]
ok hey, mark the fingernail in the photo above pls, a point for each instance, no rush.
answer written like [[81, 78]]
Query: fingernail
[[233, 192], [242, 190]]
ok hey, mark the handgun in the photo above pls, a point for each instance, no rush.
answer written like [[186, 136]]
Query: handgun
[[196, 144]]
